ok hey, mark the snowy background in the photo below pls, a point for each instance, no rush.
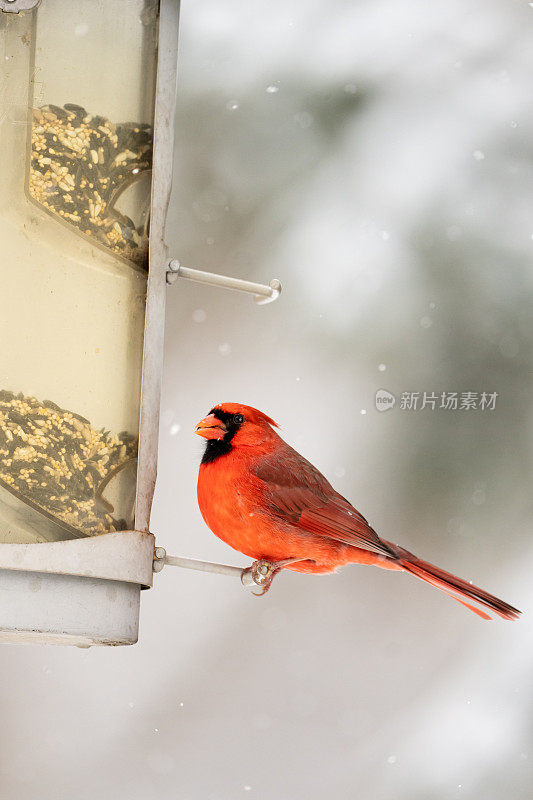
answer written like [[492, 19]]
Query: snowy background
[[376, 157]]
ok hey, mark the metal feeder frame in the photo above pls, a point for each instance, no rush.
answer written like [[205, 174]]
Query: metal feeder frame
[[38, 579]]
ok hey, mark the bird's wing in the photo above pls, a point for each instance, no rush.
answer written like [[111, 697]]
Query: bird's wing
[[296, 492]]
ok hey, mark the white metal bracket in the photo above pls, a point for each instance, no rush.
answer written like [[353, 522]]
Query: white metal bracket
[[119, 556], [262, 293]]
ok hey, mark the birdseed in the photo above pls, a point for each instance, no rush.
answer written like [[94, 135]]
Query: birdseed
[[57, 461], [80, 165]]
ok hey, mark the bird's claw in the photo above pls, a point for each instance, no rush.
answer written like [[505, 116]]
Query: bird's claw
[[262, 573]]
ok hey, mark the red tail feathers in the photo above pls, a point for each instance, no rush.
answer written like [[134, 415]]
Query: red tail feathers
[[456, 587]]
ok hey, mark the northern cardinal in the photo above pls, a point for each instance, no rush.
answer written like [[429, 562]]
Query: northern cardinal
[[267, 501]]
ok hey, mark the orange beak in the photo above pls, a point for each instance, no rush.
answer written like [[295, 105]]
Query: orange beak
[[211, 428]]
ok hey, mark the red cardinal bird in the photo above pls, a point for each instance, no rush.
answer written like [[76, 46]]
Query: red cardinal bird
[[264, 499]]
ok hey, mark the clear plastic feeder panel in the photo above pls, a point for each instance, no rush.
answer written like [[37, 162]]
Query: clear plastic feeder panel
[[76, 124]]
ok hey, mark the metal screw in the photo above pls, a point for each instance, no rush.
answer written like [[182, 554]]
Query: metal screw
[[173, 271], [17, 6], [159, 559]]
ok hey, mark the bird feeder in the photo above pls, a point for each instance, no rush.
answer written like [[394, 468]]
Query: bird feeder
[[86, 139]]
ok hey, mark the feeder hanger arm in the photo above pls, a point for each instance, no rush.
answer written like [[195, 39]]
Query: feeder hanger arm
[[262, 293]]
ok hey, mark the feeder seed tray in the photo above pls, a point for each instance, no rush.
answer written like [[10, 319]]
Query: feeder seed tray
[[57, 462], [81, 164]]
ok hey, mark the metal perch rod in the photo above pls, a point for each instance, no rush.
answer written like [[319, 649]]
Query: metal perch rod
[[259, 575], [203, 566], [262, 293]]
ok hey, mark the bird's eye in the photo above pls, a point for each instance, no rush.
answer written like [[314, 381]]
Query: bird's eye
[[238, 419]]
